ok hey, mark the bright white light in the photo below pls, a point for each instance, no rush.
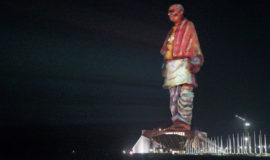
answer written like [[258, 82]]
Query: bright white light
[[159, 129], [124, 152], [246, 138], [130, 152], [176, 133], [247, 124]]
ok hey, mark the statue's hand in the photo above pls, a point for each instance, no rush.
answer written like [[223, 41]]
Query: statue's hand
[[195, 64], [163, 69], [195, 68]]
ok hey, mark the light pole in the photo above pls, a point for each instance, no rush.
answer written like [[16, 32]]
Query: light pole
[[246, 135], [245, 122]]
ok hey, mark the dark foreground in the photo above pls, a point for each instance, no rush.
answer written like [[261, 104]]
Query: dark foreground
[[190, 157], [85, 142], [107, 156]]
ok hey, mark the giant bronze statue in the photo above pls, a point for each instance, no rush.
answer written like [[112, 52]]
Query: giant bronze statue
[[182, 60]]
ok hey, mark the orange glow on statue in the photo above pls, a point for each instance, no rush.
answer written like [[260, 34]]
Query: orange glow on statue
[[182, 60]]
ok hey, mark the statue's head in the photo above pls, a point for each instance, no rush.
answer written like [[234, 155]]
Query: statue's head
[[176, 12]]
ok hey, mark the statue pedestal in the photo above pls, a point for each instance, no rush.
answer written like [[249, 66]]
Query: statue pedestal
[[170, 140]]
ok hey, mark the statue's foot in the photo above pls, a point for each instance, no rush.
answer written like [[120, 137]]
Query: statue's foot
[[179, 125]]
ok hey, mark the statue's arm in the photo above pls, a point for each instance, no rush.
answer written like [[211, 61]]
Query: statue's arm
[[198, 60]]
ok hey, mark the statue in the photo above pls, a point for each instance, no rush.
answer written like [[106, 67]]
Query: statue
[[182, 60]]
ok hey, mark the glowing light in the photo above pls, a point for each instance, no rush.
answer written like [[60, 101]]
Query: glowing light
[[246, 138], [247, 124], [243, 119], [176, 133], [130, 152], [124, 152]]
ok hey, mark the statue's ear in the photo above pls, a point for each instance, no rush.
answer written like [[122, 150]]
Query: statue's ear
[[181, 12]]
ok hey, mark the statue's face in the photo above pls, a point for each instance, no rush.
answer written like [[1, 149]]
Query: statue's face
[[174, 14]]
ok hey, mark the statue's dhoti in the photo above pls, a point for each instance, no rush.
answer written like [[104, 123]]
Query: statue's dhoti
[[178, 73], [180, 82]]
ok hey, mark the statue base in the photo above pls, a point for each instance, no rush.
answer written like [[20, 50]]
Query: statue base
[[169, 140]]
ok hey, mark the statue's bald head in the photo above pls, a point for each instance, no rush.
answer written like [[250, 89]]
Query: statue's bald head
[[178, 7], [176, 12]]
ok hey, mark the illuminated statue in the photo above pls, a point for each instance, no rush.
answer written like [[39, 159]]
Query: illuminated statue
[[182, 60]]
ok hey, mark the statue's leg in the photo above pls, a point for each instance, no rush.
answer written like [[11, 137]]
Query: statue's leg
[[174, 94], [185, 103]]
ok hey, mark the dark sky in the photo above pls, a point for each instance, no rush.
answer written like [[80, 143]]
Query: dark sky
[[84, 62]]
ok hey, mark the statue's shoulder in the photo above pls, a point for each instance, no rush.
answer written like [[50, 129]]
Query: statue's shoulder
[[185, 22], [189, 22]]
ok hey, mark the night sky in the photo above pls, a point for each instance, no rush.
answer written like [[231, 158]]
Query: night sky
[[89, 64]]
